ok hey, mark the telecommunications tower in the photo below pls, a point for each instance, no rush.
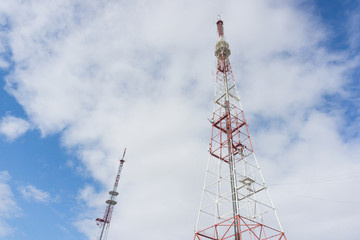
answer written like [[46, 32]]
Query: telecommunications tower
[[104, 223], [235, 203]]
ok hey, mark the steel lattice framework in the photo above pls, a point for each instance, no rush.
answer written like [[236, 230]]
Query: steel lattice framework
[[235, 202], [104, 223]]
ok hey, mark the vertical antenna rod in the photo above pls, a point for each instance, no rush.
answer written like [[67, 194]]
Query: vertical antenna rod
[[220, 27], [222, 53], [104, 222]]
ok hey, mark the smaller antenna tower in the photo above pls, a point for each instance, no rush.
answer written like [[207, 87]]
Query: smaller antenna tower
[[104, 223]]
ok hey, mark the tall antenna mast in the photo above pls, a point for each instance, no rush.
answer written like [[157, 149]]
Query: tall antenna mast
[[235, 204], [104, 223]]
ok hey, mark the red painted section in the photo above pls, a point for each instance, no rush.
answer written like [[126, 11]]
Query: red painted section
[[249, 229], [220, 27]]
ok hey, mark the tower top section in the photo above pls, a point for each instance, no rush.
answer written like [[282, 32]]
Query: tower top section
[[222, 49], [220, 27]]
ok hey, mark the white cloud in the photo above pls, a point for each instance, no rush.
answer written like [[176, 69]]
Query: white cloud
[[108, 75], [8, 206], [313, 176], [30, 192], [13, 127], [3, 63]]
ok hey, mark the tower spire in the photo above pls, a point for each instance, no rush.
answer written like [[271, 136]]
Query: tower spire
[[220, 27], [104, 223], [235, 202]]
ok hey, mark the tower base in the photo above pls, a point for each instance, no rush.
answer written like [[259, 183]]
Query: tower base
[[248, 230]]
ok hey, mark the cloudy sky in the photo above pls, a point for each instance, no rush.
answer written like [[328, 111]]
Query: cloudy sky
[[82, 80]]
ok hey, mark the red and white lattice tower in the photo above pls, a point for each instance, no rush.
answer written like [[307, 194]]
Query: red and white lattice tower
[[104, 223], [235, 202]]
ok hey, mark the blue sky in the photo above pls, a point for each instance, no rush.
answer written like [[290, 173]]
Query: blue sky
[[81, 81]]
